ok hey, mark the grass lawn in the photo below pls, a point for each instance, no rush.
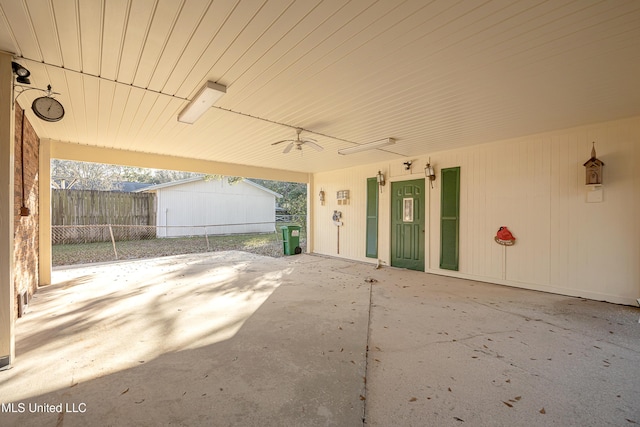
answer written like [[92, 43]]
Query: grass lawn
[[85, 253]]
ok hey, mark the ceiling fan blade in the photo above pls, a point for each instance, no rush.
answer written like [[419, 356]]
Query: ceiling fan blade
[[289, 147], [279, 142], [312, 144]]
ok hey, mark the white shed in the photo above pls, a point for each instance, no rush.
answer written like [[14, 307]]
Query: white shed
[[196, 206]]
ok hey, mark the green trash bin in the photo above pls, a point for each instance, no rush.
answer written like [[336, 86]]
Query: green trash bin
[[291, 239]]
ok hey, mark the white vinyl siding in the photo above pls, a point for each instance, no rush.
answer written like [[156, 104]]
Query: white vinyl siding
[[186, 209], [535, 186]]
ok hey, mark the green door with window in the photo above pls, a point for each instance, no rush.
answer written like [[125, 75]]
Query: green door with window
[[407, 224]]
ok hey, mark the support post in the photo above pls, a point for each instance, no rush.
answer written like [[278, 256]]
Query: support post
[[504, 262], [113, 242], [311, 213], [7, 171]]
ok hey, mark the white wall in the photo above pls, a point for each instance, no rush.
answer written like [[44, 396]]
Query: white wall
[[216, 204], [535, 186]]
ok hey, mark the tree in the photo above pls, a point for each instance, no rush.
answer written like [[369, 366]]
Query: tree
[[84, 176], [67, 174], [294, 195], [138, 175], [154, 176], [230, 179], [161, 175], [95, 176]]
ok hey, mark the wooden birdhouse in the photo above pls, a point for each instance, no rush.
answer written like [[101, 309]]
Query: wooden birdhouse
[[593, 168]]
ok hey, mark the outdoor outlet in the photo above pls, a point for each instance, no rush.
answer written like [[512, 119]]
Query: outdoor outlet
[[24, 211]]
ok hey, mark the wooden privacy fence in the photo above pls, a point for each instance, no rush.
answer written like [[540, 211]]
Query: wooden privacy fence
[[89, 207]]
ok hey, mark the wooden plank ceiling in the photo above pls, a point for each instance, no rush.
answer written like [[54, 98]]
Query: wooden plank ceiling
[[433, 75]]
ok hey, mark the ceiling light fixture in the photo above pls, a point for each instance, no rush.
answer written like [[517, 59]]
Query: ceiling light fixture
[[368, 146], [206, 97]]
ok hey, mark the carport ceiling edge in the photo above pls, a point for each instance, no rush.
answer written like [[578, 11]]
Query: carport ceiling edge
[[434, 76]]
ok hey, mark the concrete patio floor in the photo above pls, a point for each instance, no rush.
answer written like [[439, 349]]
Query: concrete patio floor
[[234, 339]]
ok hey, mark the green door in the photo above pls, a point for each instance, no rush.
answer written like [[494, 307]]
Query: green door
[[407, 224]]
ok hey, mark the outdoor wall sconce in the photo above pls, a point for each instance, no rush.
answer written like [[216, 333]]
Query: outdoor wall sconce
[[407, 165], [321, 194], [593, 168], [380, 179], [430, 173]]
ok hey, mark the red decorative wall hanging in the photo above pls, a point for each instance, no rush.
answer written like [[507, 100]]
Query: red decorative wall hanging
[[504, 237]]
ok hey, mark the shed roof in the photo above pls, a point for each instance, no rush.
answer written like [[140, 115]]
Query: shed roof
[[202, 178]]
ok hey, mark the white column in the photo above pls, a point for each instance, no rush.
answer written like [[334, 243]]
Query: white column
[[311, 205], [7, 165]]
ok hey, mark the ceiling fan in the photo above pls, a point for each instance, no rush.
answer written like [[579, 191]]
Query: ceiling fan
[[297, 143]]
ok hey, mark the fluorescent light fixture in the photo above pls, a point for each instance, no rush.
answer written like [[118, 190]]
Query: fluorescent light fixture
[[368, 146], [206, 97]]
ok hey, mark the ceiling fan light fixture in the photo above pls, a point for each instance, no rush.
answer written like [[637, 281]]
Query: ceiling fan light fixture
[[204, 99], [298, 143], [368, 146]]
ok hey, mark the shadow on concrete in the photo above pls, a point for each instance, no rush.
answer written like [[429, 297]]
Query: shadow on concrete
[[212, 339], [239, 339]]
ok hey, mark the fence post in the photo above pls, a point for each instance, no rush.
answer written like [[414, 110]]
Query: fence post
[[113, 242], [206, 237]]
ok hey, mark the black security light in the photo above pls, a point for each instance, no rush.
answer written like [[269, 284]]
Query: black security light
[[21, 73]]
